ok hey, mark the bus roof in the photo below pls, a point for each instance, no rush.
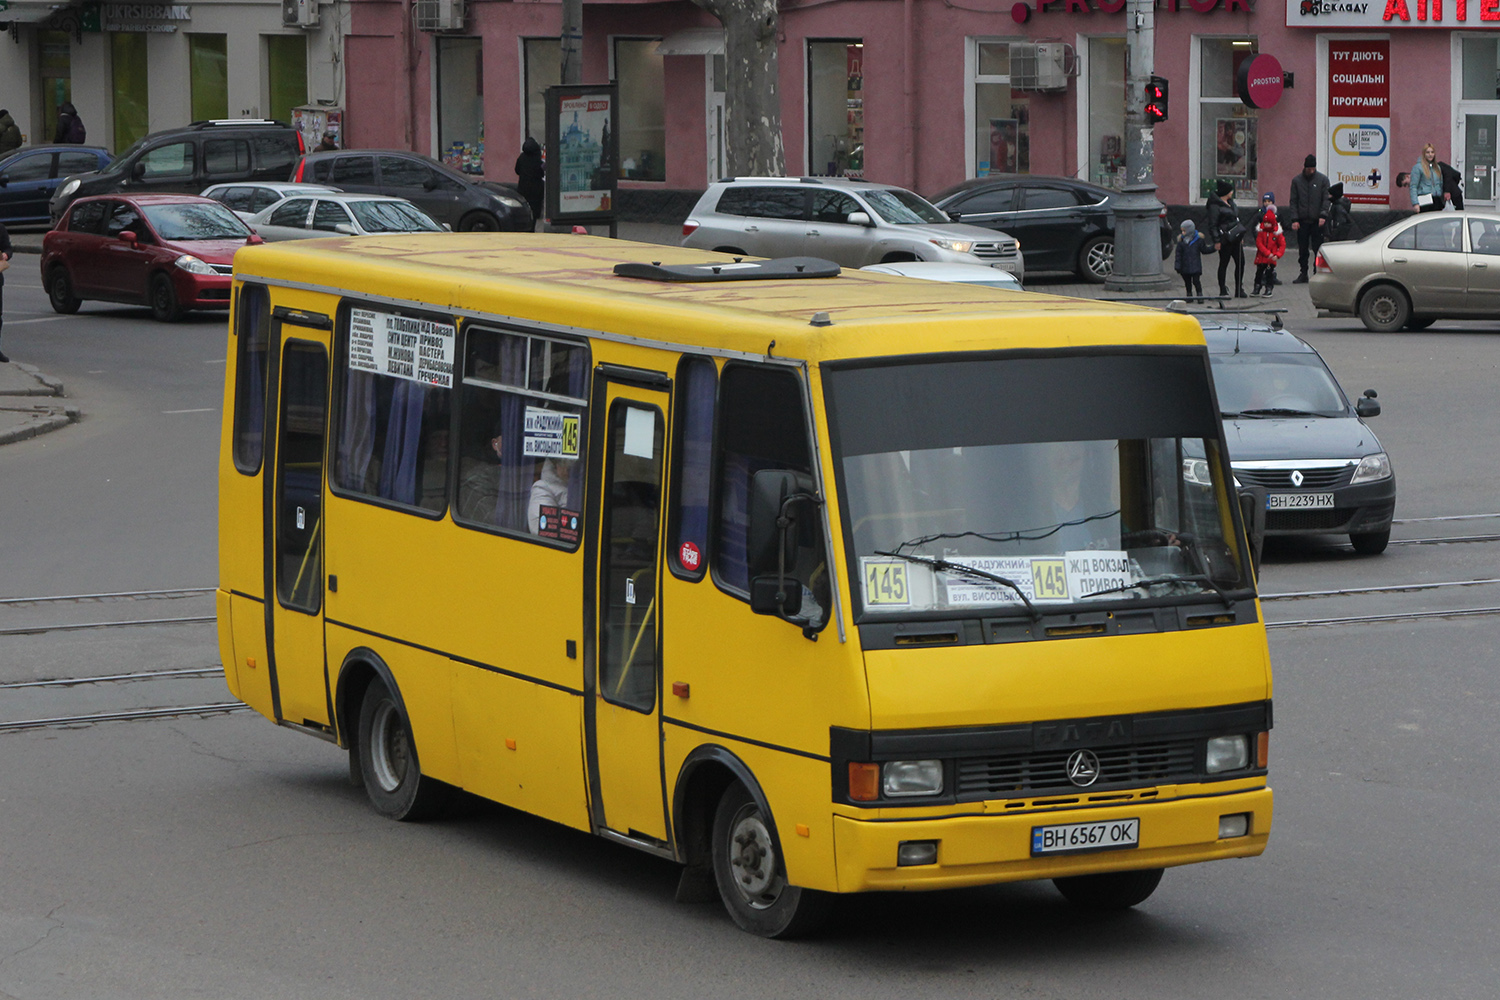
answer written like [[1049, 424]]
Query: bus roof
[[569, 280]]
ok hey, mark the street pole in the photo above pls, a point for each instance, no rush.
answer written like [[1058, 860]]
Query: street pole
[[572, 42], [1138, 263]]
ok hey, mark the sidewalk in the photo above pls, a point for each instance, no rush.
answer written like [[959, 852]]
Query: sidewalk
[[31, 403]]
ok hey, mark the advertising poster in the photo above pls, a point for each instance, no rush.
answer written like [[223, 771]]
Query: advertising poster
[[582, 129], [1004, 139], [1233, 140], [1358, 153]]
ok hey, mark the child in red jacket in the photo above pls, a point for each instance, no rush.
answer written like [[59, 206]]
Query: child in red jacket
[[1270, 244]]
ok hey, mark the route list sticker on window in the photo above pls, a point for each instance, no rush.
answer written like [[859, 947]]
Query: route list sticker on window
[[1072, 576], [550, 434], [419, 350]]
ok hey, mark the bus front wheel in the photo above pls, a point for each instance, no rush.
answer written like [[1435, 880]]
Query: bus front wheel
[[751, 876], [388, 760], [1109, 890]]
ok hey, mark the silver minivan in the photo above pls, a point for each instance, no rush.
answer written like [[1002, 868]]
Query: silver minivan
[[853, 223]]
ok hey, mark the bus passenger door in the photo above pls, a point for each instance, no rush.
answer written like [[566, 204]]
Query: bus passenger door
[[623, 713], [294, 535]]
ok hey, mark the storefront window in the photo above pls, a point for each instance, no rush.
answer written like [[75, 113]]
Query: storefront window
[[208, 68], [57, 79], [1107, 112], [127, 50], [1481, 57], [836, 108], [1227, 127], [460, 100], [640, 72], [543, 58], [1002, 118], [286, 74]]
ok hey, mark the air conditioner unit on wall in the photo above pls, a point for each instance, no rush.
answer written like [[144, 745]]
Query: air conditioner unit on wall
[[1045, 65], [441, 15], [299, 13]]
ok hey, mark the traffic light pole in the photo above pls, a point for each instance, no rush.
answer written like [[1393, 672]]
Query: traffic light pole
[[1138, 260]]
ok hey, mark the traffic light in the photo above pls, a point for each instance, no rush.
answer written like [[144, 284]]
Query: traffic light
[[1156, 100]]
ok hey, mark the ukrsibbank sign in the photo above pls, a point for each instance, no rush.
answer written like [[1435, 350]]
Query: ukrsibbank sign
[[1358, 153], [1448, 14]]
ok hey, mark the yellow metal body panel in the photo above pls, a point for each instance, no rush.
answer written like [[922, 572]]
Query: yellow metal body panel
[[977, 850], [474, 626], [251, 680]]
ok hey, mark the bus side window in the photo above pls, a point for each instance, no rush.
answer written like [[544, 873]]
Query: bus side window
[[392, 439], [762, 425], [521, 434], [252, 326], [692, 466]]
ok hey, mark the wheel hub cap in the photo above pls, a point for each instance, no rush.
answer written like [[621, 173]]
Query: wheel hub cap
[[752, 858]]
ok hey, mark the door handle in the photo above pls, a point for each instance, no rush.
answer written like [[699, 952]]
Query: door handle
[[813, 232], [1480, 264], [1398, 260], [752, 229]]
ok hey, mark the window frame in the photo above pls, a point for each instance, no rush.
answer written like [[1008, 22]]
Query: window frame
[[339, 362], [462, 381], [241, 340], [678, 443]]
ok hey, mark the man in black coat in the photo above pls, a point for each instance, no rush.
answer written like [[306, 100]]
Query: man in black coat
[[1309, 212], [531, 172], [1453, 186]]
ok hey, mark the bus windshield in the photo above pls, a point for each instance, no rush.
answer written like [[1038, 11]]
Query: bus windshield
[[1017, 486]]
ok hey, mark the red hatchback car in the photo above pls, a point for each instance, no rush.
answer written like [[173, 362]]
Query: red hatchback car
[[171, 252]]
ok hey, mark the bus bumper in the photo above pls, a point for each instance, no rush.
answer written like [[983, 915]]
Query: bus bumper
[[981, 849]]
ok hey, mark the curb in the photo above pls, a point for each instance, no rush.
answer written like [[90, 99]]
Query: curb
[[35, 418], [50, 420], [46, 384]]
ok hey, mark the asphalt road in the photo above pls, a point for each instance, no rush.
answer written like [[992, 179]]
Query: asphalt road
[[214, 855]]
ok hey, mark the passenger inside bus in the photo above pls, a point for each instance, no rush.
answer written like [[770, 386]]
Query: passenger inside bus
[[549, 490]]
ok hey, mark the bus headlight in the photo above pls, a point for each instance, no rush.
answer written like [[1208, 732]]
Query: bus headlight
[[904, 778], [1372, 468], [1227, 753]]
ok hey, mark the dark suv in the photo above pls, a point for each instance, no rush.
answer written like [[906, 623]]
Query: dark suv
[[466, 204], [186, 160]]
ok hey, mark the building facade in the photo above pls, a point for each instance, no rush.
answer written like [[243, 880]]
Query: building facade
[[135, 68]]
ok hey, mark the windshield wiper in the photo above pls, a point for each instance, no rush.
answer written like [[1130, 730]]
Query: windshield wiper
[[1157, 581], [953, 567], [1279, 411]]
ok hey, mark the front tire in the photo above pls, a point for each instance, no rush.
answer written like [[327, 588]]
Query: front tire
[[751, 876], [1109, 890], [1384, 309], [163, 300], [479, 222], [60, 292], [1096, 259], [1371, 543], [1415, 325], [388, 763]]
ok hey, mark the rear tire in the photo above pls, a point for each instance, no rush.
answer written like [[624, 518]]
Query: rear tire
[[163, 299], [60, 292], [479, 222], [1096, 259], [1384, 309], [751, 876], [1371, 543], [388, 763], [1109, 890], [1419, 324]]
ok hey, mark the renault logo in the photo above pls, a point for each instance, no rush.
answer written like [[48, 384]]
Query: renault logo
[[1297, 477], [1083, 768]]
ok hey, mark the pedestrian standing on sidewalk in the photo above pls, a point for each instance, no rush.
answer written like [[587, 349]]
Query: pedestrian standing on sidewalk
[[5, 252], [1309, 210], [531, 173], [69, 125], [10, 132], [1189, 260], [1453, 186], [1228, 234], [1427, 193], [1270, 244]]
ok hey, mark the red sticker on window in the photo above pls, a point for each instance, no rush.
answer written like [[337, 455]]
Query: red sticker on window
[[689, 556]]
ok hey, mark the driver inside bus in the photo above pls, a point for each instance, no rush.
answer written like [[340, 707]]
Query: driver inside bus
[[1081, 516]]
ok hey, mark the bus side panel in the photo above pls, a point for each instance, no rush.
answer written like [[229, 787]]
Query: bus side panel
[[224, 612], [425, 682], [254, 673], [518, 743]]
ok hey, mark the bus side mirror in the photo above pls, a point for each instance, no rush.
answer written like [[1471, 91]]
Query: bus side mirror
[[1253, 513], [777, 498]]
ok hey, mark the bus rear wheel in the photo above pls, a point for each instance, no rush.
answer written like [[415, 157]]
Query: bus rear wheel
[[393, 778], [751, 877], [1109, 890]]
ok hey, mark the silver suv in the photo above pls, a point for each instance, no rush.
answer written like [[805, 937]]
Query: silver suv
[[851, 222]]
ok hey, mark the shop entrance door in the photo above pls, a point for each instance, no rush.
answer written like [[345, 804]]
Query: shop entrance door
[[1477, 121], [714, 69]]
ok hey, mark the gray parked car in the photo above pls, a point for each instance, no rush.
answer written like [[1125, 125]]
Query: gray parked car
[[853, 223], [305, 218], [1439, 265], [246, 199]]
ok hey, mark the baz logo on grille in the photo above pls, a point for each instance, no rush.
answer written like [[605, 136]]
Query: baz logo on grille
[[1083, 768]]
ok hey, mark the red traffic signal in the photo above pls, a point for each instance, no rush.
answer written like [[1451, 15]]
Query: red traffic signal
[[1156, 99]]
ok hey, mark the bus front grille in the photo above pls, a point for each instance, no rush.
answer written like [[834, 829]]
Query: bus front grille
[[1031, 772]]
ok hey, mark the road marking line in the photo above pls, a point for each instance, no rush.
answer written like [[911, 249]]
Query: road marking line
[[216, 361], [206, 409], [43, 319]]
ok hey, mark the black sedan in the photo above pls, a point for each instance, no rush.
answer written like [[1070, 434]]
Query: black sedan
[[1292, 432], [1063, 224], [29, 175]]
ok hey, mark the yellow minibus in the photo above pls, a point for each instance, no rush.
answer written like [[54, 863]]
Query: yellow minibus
[[812, 581]]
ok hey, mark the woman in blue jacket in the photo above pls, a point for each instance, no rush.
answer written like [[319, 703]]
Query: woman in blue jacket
[[1427, 182]]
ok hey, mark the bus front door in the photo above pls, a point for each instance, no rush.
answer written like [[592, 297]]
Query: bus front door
[[624, 707], [294, 535]]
